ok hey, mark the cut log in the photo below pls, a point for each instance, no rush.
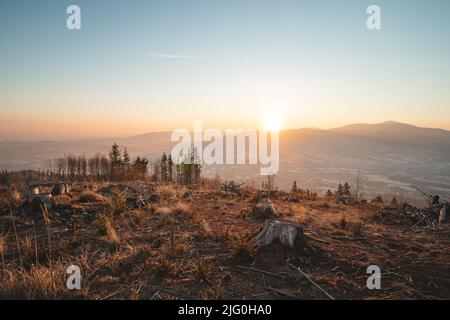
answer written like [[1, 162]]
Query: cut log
[[288, 233], [264, 210]]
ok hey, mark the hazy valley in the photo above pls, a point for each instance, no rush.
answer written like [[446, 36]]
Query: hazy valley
[[390, 157]]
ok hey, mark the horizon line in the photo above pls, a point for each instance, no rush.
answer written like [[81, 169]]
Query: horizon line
[[168, 131]]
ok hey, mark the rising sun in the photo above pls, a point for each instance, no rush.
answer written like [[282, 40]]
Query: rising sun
[[273, 123]]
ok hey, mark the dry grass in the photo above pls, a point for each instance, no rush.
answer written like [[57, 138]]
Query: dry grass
[[62, 200], [205, 228], [91, 196], [163, 211], [138, 216], [169, 215], [106, 224], [356, 229], [167, 192], [152, 208], [112, 233], [3, 239], [28, 247], [202, 269], [343, 223], [118, 202], [243, 247], [14, 199], [39, 282], [215, 292], [163, 267], [166, 217], [173, 245], [185, 251], [181, 208]]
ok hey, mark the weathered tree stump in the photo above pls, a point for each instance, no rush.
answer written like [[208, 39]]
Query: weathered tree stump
[[30, 192], [288, 233], [39, 201], [294, 198], [264, 210], [444, 213], [61, 188]]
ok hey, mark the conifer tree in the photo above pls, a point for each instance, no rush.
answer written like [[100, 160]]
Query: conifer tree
[[126, 164], [164, 173], [140, 166], [340, 190], [115, 156], [170, 168], [347, 189]]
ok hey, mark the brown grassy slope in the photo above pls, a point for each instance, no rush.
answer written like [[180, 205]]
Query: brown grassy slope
[[198, 247]]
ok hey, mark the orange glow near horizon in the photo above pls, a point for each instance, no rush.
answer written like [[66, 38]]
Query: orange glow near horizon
[[55, 128]]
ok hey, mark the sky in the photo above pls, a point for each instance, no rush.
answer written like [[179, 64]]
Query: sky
[[143, 66]]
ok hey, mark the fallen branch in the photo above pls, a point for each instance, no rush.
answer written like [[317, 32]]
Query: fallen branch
[[348, 238], [312, 281], [423, 194], [310, 236], [282, 292], [262, 271], [417, 224], [114, 293]]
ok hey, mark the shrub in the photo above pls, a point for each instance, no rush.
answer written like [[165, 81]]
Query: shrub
[[202, 269], [163, 267], [173, 245], [356, 229], [243, 247], [167, 192], [118, 201]]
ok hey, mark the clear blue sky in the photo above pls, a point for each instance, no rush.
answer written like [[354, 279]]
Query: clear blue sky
[[139, 66]]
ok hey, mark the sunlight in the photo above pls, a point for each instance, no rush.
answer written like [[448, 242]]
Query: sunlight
[[273, 123]]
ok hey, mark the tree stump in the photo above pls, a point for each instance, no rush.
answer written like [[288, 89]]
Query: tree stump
[[61, 188], [288, 233], [294, 198], [264, 210], [28, 193], [39, 201], [444, 213]]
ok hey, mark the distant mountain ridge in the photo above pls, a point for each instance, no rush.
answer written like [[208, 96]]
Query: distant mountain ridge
[[392, 156], [398, 131]]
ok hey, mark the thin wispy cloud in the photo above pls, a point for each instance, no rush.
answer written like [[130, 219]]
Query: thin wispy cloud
[[173, 56]]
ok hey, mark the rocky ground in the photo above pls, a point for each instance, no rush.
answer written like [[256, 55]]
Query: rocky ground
[[144, 241]]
